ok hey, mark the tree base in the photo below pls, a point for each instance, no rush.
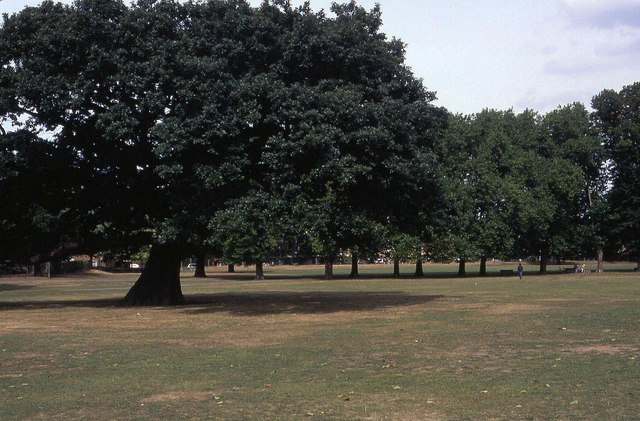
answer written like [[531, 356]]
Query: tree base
[[354, 266], [483, 267], [328, 270], [200, 266], [419, 273], [259, 272], [159, 283], [462, 268]]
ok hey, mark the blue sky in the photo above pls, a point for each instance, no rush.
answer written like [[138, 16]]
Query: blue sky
[[507, 53]]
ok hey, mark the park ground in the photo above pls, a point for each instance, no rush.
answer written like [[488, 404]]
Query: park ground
[[295, 347]]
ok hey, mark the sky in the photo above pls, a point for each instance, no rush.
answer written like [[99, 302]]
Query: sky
[[502, 54]]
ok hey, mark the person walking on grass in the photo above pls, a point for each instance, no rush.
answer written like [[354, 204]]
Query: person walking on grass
[[520, 270]]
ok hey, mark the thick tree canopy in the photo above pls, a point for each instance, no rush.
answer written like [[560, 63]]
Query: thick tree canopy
[[182, 123], [476, 162], [520, 185], [265, 131], [617, 115]]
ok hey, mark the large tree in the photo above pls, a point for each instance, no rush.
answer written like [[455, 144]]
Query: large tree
[[58, 83], [167, 111], [143, 98], [617, 115], [358, 125]]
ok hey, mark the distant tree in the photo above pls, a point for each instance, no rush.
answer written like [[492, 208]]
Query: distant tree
[[476, 157], [403, 248], [617, 116], [366, 241], [253, 228], [573, 137], [548, 187]]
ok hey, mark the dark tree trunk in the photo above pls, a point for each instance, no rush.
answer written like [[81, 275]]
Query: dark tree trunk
[[396, 268], [259, 271], [419, 271], [328, 269], [483, 266], [462, 268], [37, 269], [543, 264], [637, 269], [159, 283], [600, 253], [354, 265], [231, 268], [200, 260], [55, 268]]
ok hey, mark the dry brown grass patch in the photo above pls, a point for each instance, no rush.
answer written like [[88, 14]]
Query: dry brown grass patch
[[500, 309], [610, 349], [504, 309], [181, 396]]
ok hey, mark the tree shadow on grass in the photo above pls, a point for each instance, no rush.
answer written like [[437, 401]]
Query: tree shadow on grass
[[256, 304], [269, 303], [13, 287], [53, 304]]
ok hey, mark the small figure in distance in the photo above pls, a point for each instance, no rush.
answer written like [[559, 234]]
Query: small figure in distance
[[520, 270], [575, 267]]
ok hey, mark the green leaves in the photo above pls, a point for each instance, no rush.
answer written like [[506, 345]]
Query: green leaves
[[616, 116], [252, 129], [523, 177]]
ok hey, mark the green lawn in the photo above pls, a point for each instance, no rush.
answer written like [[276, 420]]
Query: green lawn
[[297, 347]]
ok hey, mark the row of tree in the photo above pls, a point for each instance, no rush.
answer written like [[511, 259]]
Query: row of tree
[[260, 132]]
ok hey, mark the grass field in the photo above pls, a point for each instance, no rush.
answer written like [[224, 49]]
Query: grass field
[[294, 347]]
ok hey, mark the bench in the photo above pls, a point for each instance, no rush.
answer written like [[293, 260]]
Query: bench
[[506, 271]]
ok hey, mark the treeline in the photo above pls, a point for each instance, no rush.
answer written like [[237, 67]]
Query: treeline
[[251, 133]]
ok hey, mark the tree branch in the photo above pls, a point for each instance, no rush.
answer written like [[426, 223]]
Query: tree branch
[[63, 250], [25, 111]]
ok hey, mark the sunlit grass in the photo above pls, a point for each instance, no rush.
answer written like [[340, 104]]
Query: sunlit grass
[[561, 346]]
